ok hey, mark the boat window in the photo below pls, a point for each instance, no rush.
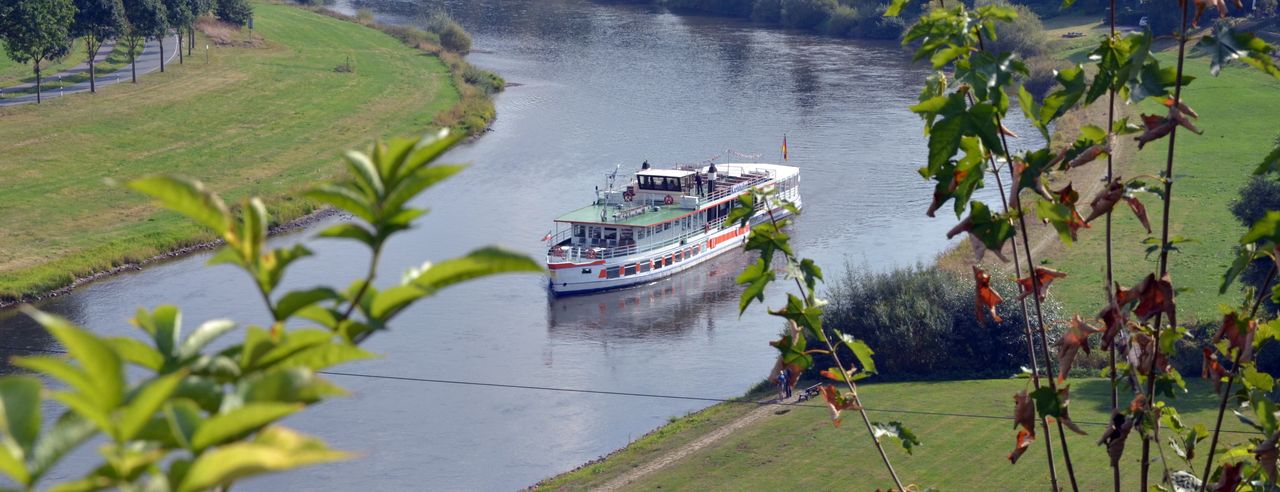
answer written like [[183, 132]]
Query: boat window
[[579, 231], [666, 225], [678, 255], [643, 267], [671, 259], [626, 237], [611, 236], [629, 270], [593, 235], [642, 232], [657, 263], [612, 272]]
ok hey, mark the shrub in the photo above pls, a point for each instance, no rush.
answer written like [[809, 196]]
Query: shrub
[[452, 36], [1265, 8], [1040, 77], [920, 320], [874, 25], [234, 12], [1257, 197], [806, 14], [1024, 35], [769, 11], [364, 16], [842, 22]]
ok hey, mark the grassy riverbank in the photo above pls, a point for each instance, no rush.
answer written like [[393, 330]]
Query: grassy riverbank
[[964, 426], [264, 118], [1237, 113]]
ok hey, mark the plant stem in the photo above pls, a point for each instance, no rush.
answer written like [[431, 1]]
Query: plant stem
[[1106, 285], [1164, 239], [1231, 379], [848, 378], [373, 269], [1026, 327]]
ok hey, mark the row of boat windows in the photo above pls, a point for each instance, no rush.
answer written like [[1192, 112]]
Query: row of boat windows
[[655, 264], [623, 236]]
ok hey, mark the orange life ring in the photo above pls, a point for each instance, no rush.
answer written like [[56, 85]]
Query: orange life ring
[[591, 253], [668, 200], [628, 195]]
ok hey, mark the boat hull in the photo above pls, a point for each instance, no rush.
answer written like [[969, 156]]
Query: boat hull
[[579, 278]]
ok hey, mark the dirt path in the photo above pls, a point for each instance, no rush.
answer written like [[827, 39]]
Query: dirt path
[[724, 431]]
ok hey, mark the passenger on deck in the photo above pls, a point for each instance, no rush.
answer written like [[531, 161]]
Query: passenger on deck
[[697, 179]]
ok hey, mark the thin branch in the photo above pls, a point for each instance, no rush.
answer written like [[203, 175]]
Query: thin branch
[[1231, 379], [1106, 284], [1164, 239], [846, 375]]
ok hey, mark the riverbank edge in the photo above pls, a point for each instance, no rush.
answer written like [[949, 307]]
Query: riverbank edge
[[474, 105]]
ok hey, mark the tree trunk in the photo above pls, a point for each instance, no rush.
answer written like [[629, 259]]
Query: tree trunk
[[93, 53], [191, 39], [160, 38], [179, 40], [133, 64], [37, 68]]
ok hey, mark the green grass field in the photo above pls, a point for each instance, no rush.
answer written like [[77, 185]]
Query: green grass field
[[1237, 113], [966, 428], [264, 121]]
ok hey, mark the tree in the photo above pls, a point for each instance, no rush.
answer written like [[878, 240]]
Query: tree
[[181, 16], [36, 31], [198, 8], [144, 19], [95, 22], [235, 12]]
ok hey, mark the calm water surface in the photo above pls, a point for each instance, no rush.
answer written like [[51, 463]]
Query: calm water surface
[[599, 85]]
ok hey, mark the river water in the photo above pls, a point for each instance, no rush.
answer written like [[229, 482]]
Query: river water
[[598, 85]]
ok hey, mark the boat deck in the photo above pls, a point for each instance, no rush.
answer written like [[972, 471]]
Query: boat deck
[[631, 215]]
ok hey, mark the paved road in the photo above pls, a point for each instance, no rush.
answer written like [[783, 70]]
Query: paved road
[[148, 61]]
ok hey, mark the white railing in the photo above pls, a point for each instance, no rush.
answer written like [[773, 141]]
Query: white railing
[[581, 253]]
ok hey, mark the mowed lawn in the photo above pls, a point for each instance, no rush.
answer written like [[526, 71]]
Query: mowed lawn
[[267, 121], [966, 428], [1238, 113]]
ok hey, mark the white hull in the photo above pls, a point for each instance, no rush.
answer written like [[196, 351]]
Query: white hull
[[581, 277]]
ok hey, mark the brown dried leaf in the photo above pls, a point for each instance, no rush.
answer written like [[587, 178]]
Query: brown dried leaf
[[1113, 319], [836, 402], [986, 298], [1075, 339], [1230, 478], [1065, 398], [1212, 369], [1142, 351], [1139, 210], [1266, 454], [1117, 431], [1044, 277], [1024, 415], [1239, 335], [1157, 127], [1155, 296], [1106, 201], [1088, 155]]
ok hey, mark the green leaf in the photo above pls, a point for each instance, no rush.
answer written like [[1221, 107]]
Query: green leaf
[[296, 300], [326, 355], [290, 344], [137, 352], [1062, 100], [146, 403], [287, 385], [1047, 402], [67, 433], [236, 424], [425, 151], [1257, 379], [82, 405], [860, 350], [183, 418], [164, 324], [944, 140], [13, 466], [757, 276], [365, 174], [390, 301], [414, 184], [1270, 163], [343, 199], [254, 227], [897, 432], [1266, 228], [204, 335], [1226, 44], [479, 263], [275, 449], [188, 197], [895, 8], [20, 410], [94, 355], [349, 230]]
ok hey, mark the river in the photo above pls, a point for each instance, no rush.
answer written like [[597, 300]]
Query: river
[[598, 85]]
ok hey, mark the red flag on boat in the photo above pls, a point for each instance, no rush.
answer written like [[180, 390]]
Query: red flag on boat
[[546, 237], [784, 147]]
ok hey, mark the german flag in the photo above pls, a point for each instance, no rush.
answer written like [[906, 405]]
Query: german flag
[[784, 147]]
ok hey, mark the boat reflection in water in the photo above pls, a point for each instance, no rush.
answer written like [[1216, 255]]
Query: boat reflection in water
[[671, 306]]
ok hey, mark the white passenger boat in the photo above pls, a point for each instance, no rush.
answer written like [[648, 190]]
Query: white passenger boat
[[660, 223]]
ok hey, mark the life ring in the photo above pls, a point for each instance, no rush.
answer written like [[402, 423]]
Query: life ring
[[628, 195], [591, 254], [668, 200]]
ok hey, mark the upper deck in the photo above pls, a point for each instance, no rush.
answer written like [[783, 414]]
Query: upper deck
[[649, 201]]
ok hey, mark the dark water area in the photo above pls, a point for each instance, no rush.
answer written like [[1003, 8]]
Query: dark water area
[[599, 85]]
